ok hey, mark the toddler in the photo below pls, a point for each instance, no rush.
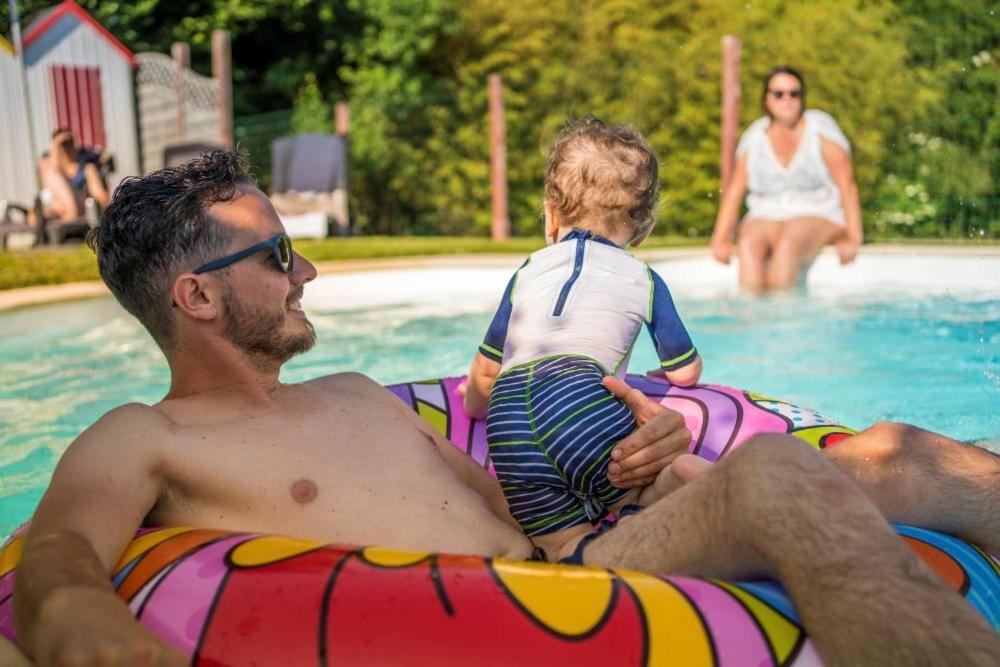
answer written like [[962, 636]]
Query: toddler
[[568, 318]]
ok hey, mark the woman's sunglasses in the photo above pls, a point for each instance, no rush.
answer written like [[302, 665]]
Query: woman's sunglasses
[[778, 94], [279, 245]]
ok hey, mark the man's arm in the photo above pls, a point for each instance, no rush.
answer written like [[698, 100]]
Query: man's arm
[[64, 604], [662, 436]]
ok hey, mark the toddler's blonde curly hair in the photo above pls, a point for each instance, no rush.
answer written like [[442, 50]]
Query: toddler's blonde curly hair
[[602, 177]]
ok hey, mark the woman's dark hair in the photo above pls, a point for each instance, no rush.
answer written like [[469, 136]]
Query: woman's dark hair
[[784, 69], [158, 226]]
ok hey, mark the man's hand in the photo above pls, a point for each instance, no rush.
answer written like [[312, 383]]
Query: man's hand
[[87, 626], [660, 438], [847, 250]]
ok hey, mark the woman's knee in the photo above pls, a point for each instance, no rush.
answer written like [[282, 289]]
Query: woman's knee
[[752, 248]]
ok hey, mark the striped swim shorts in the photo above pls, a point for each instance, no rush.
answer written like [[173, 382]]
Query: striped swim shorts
[[551, 427]]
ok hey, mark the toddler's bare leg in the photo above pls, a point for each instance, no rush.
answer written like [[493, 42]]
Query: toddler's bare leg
[[776, 508], [561, 543]]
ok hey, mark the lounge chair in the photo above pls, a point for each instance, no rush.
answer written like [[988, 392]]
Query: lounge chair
[[309, 184], [14, 220]]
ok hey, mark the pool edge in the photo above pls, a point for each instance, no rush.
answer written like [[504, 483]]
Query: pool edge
[[25, 297]]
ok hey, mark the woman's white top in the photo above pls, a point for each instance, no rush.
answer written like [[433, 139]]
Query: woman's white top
[[803, 187]]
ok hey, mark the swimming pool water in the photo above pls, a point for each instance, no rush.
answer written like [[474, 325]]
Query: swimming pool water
[[932, 360]]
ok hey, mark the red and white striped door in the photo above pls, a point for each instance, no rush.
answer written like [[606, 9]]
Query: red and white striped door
[[78, 104]]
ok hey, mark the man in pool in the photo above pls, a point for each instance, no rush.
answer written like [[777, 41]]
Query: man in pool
[[198, 256]]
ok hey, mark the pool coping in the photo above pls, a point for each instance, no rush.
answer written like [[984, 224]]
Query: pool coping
[[38, 295]]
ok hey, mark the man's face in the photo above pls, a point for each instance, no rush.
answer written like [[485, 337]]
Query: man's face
[[269, 332], [262, 305]]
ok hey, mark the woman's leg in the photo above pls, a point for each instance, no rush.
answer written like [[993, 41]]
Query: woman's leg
[[798, 242], [754, 243]]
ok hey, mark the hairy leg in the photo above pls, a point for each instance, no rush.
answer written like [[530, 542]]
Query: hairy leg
[[753, 247], [797, 245], [915, 476], [778, 509]]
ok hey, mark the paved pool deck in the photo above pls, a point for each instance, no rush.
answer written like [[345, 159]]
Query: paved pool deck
[[46, 294]]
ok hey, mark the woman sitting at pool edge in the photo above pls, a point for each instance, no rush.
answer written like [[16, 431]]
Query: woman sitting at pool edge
[[796, 165]]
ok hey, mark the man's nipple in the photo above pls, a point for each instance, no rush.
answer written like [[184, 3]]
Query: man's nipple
[[304, 491]]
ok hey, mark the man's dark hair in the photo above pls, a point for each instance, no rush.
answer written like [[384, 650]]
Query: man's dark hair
[[784, 69], [157, 226]]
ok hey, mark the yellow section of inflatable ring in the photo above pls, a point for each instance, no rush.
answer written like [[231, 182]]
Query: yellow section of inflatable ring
[[676, 633], [571, 604], [264, 550], [11, 555], [392, 557]]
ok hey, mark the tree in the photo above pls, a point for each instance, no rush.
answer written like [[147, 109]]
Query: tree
[[310, 112]]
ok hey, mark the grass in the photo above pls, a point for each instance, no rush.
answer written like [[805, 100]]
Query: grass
[[47, 267], [75, 263]]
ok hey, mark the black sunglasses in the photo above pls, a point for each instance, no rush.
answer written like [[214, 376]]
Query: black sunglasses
[[279, 245], [778, 94]]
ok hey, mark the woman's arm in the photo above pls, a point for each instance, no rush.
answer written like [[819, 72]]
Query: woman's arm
[[95, 186], [482, 374], [838, 162], [729, 211]]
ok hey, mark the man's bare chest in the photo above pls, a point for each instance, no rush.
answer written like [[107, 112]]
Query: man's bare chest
[[328, 458]]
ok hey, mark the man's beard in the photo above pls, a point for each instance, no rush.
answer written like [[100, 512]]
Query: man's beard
[[257, 331]]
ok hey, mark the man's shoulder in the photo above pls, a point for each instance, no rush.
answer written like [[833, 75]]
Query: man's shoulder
[[349, 381], [132, 415], [134, 426]]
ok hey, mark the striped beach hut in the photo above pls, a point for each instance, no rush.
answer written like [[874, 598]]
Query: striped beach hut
[[81, 76], [17, 180]]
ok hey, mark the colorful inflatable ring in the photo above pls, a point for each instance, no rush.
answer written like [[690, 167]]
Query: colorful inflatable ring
[[239, 599]]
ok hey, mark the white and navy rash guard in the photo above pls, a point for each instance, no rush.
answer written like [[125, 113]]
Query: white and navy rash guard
[[585, 296]]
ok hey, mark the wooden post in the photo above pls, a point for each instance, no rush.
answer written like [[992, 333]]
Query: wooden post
[[181, 53], [500, 227], [341, 198], [342, 119], [730, 106], [222, 72]]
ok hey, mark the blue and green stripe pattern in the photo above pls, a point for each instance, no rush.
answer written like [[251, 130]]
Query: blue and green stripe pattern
[[551, 428]]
